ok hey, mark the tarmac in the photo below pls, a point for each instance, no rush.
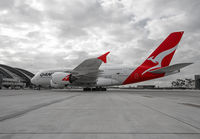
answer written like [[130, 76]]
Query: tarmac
[[115, 114]]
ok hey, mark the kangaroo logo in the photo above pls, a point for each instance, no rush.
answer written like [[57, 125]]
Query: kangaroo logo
[[159, 58], [66, 78]]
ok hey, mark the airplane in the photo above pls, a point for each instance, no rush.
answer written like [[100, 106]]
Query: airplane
[[90, 77]]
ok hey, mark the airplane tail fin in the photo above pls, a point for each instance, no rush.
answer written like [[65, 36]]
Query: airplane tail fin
[[160, 58]]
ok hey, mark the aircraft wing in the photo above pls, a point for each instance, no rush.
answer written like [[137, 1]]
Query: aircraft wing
[[88, 70]]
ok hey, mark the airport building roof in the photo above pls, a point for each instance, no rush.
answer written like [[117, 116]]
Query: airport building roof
[[16, 74]]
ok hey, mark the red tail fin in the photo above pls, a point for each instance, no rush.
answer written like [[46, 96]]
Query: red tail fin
[[161, 57]]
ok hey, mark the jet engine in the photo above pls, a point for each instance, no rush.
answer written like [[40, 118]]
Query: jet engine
[[54, 85], [60, 78]]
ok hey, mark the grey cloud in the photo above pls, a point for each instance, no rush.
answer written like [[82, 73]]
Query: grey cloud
[[189, 10], [70, 32], [5, 4], [33, 34], [27, 13], [20, 13], [83, 15], [142, 23]]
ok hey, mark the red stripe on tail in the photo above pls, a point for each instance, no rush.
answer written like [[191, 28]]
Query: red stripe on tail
[[161, 57]]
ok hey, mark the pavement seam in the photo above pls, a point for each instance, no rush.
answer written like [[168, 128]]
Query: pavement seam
[[170, 116], [32, 108], [153, 133]]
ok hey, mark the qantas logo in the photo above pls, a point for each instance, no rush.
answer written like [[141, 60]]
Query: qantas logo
[[47, 74], [159, 58], [66, 78]]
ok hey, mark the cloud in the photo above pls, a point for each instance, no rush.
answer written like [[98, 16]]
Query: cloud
[[47, 34], [6, 4]]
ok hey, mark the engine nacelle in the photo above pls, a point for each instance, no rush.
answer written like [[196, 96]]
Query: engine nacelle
[[106, 82], [54, 85], [60, 78]]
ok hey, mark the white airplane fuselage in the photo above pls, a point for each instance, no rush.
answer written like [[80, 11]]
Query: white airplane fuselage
[[106, 77]]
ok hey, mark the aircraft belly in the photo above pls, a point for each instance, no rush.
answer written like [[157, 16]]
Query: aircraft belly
[[118, 75]]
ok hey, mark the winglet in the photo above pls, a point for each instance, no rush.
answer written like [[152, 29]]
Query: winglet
[[103, 57]]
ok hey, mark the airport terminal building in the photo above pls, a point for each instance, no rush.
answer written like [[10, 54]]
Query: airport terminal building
[[14, 77]]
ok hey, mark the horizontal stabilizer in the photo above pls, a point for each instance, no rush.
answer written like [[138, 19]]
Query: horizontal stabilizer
[[171, 68]]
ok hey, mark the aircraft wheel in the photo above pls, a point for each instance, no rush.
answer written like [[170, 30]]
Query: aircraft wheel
[[95, 89], [100, 89], [87, 89]]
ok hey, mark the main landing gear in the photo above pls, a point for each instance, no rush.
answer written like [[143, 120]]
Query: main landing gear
[[94, 89]]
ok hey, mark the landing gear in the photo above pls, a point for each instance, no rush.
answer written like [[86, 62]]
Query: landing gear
[[37, 87], [95, 89], [87, 89]]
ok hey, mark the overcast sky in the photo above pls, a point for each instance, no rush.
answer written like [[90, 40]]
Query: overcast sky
[[50, 34]]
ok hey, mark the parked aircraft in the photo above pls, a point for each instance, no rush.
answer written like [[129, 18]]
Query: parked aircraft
[[88, 75]]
